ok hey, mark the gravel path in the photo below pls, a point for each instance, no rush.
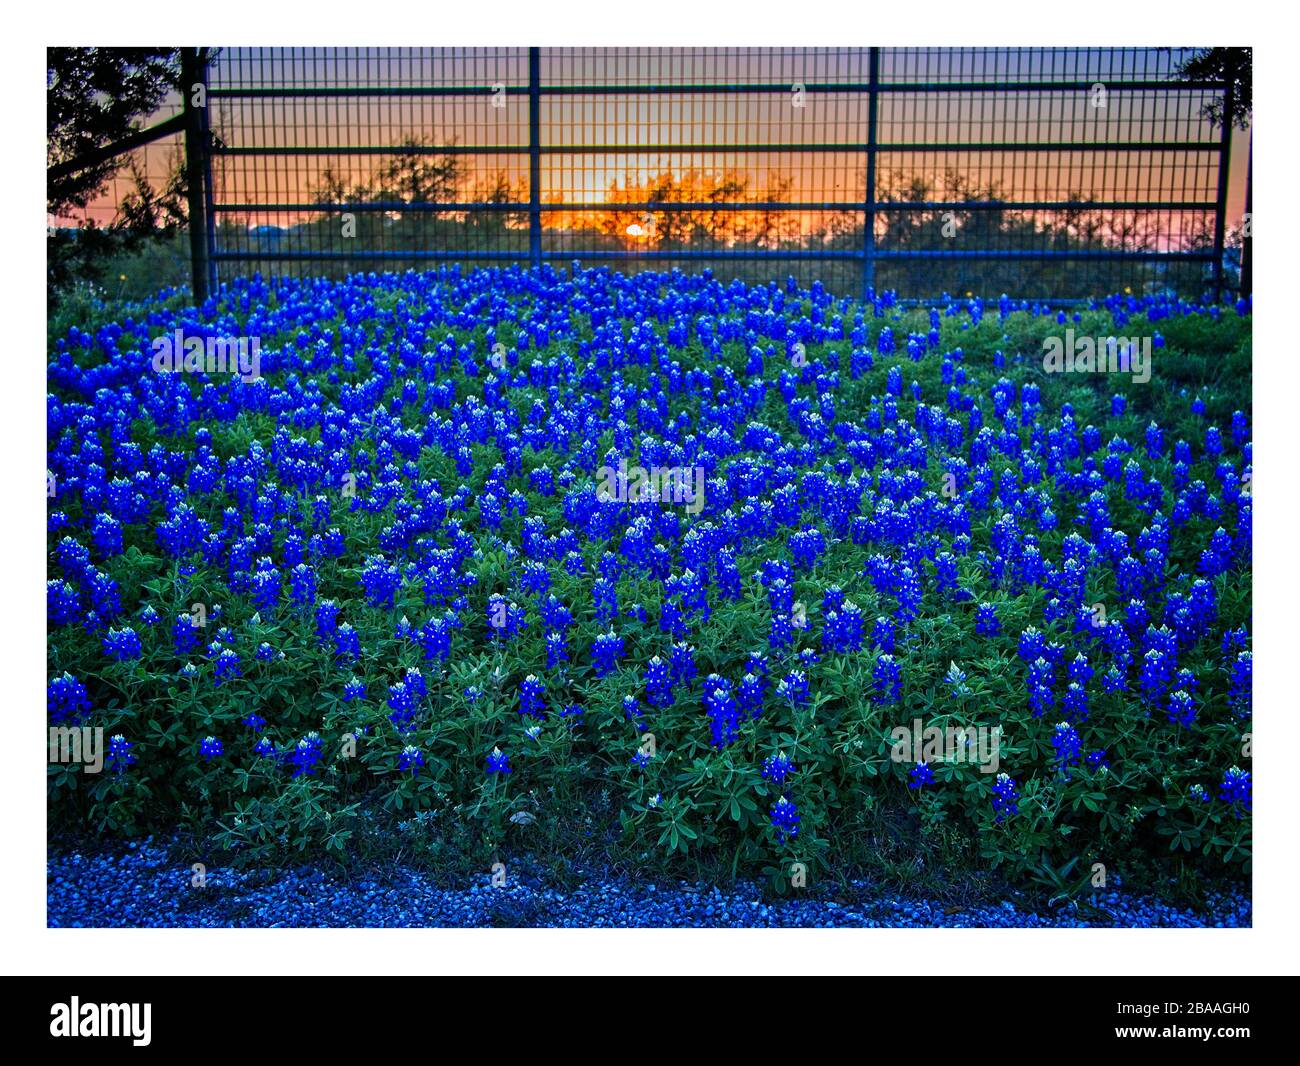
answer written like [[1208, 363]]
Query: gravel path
[[145, 885]]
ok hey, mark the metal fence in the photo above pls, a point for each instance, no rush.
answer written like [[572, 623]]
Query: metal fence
[[1039, 172]]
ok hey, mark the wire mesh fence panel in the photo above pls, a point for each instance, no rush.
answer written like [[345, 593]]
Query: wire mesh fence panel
[[142, 197], [1048, 172]]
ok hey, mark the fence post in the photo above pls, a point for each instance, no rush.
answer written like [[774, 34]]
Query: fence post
[[209, 213], [1221, 196], [534, 157], [193, 73], [1247, 263], [869, 213]]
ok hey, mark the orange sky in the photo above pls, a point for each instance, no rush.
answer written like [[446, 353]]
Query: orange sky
[[583, 121]]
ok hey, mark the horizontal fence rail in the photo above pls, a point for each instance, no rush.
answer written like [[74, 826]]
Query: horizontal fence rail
[[1052, 173]]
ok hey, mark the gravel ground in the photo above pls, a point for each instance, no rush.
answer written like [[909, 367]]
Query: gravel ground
[[145, 885]]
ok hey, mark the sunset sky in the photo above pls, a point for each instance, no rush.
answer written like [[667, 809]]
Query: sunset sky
[[576, 126]]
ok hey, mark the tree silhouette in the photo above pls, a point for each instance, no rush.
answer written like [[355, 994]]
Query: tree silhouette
[[95, 96], [1230, 65]]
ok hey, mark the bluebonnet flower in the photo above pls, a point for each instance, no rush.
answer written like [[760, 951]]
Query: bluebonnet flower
[[119, 757], [381, 580], [782, 633], [844, 629], [659, 683], [434, 637], [1075, 703], [832, 599], [65, 699], [266, 586], [1236, 788], [404, 704], [327, 613], [307, 754], [1066, 744], [632, 712], [751, 694], [62, 604], [555, 614], [682, 660], [945, 567], [1039, 680], [776, 768], [794, 688], [365, 381], [1006, 797], [606, 650], [210, 748], [1155, 675], [498, 762], [888, 679], [505, 619], [785, 819], [265, 653], [908, 595], [641, 759], [986, 620], [807, 546], [604, 596], [1241, 685], [1182, 708], [532, 694], [882, 635], [536, 579], [1079, 669], [123, 645], [1240, 429], [955, 679], [1032, 645], [1097, 760], [411, 759], [347, 644], [727, 575], [255, 722], [227, 666], [920, 776], [556, 652], [302, 585], [723, 711]]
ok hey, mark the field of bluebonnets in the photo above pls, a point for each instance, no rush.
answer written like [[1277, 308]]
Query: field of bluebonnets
[[657, 573]]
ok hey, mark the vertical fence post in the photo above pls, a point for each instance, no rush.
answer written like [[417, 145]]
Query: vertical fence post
[[1221, 196], [1247, 258], [191, 75], [205, 147], [534, 157], [869, 212]]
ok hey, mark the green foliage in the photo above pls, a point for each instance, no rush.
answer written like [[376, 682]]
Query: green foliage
[[574, 793]]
